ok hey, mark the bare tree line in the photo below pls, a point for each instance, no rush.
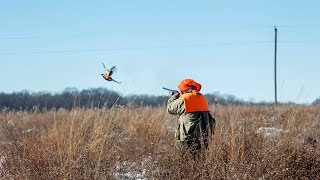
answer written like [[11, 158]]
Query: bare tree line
[[98, 98]]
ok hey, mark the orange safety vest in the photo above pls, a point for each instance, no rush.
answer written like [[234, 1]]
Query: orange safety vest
[[194, 102]]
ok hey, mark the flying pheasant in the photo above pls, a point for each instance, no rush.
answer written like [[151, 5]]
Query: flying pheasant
[[108, 72]]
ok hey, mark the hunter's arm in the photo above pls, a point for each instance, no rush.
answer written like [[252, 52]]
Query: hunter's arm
[[175, 106]]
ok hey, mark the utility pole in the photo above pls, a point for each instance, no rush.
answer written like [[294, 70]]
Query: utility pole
[[275, 64]]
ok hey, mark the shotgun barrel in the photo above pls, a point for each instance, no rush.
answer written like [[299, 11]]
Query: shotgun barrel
[[171, 90]]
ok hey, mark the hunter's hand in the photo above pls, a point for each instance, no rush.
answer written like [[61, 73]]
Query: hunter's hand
[[171, 93]]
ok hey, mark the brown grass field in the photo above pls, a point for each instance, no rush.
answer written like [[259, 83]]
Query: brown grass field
[[138, 143]]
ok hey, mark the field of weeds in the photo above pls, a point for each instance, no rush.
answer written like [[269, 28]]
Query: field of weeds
[[138, 143]]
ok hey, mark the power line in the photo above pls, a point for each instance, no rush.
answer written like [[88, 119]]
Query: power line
[[139, 48], [20, 37]]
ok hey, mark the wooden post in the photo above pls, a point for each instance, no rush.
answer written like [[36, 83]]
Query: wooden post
[[275, 65]]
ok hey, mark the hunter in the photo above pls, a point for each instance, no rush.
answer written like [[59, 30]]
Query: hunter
[[196, 124]]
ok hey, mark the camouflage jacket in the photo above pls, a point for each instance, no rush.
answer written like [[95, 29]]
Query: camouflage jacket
[[191, 125]]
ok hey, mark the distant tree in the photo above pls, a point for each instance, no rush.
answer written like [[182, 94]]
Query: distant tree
[[316, 102], [214, 98], [71, 90]]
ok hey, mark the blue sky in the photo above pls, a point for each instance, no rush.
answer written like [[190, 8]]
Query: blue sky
[[227, 46]]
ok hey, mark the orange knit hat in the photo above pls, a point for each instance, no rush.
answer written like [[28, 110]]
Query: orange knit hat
[[188, 83]]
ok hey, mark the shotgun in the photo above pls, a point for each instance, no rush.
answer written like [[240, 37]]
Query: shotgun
[[171, 91]]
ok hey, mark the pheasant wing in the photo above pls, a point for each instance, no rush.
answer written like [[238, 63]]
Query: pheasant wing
[[112, 69], [104, 66], [105, 70]]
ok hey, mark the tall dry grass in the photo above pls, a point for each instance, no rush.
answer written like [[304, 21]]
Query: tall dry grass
[[133, 143]]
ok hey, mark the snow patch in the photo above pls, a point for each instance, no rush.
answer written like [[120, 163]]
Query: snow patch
[[270, 131], [133, 170]]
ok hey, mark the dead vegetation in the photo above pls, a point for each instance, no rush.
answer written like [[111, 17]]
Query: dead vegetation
[[132, 143]]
